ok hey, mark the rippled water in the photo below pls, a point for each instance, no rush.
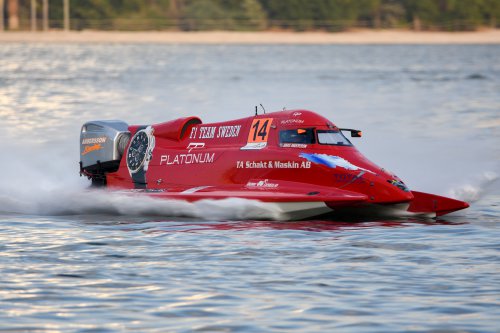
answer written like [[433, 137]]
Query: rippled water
[[74, 261]]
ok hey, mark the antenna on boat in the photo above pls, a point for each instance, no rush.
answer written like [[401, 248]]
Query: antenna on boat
[[262, 106], [256, 110]]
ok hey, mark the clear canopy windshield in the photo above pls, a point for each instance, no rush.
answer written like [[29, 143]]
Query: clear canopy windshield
[[300, 136], [331, 137]]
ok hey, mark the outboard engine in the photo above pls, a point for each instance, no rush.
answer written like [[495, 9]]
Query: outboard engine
[[102, 144]]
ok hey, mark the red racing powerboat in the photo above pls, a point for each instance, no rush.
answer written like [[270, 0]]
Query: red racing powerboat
[[297, 160]]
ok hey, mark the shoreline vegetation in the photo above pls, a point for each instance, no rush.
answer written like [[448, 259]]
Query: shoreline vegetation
[[358, 36], [252, 21], [249, 15]]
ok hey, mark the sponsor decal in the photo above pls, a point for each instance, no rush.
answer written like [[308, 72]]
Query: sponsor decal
[[139, 154], [262, 184], [293, 145], [254, 146], [273, 165], [212, 132], [331, 161], [399, 184], [292, 121], [141, 190], [89, 149], [88, 141], [194, 189], [296, 114], [178, 159], [349, 178], [195, 145], [229, 131], [259, 133], [207, 132]]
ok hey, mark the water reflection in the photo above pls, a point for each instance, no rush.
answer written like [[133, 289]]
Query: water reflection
[[199, 226]]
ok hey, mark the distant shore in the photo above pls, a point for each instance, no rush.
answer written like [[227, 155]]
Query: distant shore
[[267, 37]]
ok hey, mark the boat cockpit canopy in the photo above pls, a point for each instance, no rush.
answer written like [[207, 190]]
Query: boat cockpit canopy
[[312, 136]]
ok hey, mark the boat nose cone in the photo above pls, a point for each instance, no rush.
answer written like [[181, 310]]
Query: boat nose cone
[[390, 191], [406, 196]]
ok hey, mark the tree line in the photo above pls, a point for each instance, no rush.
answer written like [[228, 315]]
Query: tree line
[[299, 15]]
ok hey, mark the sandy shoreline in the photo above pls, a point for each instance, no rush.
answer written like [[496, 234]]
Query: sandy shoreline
[[228, 37]]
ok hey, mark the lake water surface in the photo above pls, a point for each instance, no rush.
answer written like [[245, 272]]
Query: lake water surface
[[74, 261]]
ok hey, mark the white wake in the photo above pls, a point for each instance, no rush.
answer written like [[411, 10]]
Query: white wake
[[475, 189]]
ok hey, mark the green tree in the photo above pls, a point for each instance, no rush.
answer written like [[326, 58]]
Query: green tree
[[96, 14], [491, 12], [206, 15], [422, 13], [294, 14], [251, 15], [463, 15], [334, 14]]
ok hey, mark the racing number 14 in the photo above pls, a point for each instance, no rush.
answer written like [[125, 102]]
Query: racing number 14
[[258, 134], [262, 132], [259, 131]]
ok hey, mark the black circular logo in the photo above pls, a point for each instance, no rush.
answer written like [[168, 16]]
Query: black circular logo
[[137, 151]]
